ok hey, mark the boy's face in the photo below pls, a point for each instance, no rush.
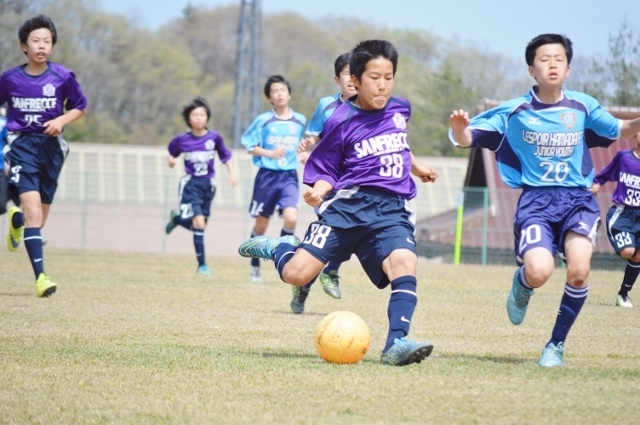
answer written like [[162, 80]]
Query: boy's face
[[550, 66], [39, 45], [279, 94], [198, 118], [345, 83], [376, 84]]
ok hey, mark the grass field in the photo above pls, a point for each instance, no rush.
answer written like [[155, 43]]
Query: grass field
[[140, 339]]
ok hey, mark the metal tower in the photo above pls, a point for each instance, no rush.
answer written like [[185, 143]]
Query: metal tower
[[246, 102]]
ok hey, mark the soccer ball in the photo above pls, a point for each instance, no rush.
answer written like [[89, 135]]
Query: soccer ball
[[342, 337]]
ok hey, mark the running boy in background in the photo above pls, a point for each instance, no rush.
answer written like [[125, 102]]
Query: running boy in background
[[37, 94], [4, 179], [272, 139], [623, 218], [329, 275], [196, 189], [360, 178], [541, 142]]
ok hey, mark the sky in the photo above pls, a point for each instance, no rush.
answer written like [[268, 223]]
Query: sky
[[502, 26]]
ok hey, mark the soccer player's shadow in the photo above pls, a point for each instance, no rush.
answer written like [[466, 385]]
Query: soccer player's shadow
[[482, 358]]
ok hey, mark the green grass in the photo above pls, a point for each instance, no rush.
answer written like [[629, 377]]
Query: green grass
[[141, 339]]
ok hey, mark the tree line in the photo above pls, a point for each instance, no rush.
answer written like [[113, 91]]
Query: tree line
[[137, 80]]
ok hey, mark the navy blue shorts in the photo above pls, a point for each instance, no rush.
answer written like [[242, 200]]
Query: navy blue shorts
[[274, 189], [196, 195], [623, 227], [362, 221], [545, 215], [35, 161]]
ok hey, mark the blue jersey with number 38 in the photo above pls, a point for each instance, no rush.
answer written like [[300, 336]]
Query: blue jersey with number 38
[[542, 145]]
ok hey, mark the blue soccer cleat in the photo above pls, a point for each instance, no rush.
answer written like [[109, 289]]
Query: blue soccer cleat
[[518, 301], [264, 246], [405, 351], [552, 355], [171, 224], [204, 270]]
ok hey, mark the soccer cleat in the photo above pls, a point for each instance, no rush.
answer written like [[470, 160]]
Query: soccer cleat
[[518, 301], [44, 286], [264, 246], [552, 355], [330, 283], [300, 294], [204, 270], [14, 236], [256, 274], [623, 301], [405, 351], [171, 224]]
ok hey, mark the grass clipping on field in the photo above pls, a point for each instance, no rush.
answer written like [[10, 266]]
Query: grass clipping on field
[[140, 338]]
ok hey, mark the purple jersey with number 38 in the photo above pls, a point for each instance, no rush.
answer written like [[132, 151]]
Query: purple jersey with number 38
[[367, 148]]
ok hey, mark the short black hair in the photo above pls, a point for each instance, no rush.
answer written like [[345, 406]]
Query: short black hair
[[40, 21], [272, 80], [369, 50], [198, 102], [541, 40], [341, 62]]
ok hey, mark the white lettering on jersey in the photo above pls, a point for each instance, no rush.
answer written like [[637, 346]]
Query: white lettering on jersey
[[382, 145], [30, 104], [199, 156], [288, 143], [552, 144], [630, 180]]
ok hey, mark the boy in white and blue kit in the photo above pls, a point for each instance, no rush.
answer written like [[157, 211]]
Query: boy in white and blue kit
[[541, 142]]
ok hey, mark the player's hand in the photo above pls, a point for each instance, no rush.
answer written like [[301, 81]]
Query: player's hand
[[54, 127], [171, 161], [277, 153], [459, 120], [306, 143], [312, 198], [425, 173], [233, 180], [594, 189], [303, 156]]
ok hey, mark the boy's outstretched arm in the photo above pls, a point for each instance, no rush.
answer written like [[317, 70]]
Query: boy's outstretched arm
[[630, 128], [424, 172], [459, 121]]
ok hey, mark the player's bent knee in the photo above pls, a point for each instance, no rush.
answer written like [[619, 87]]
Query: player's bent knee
[[628, 253]]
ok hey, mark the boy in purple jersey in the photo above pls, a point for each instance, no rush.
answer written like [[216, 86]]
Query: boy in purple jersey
[[542, 143], [623, 218], [196, 190], [272, 139], [37, 94], [360, 178]]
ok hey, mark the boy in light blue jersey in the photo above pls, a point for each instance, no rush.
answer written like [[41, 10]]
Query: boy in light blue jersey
[[541, 142], [329, 275], [272, 139]]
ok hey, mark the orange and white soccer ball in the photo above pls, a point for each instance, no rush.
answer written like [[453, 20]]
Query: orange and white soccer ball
[[342, 337]]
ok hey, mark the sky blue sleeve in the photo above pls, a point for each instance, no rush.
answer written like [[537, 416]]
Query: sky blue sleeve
[[316, 124], [601, 128], [488, 128], [252, 137]]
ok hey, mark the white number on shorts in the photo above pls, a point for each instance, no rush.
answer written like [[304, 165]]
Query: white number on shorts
[[256, 208], [318, 235], [633, 197], [392, 165], [186, 211], [15, 173], [623, 239], [529, 236], [559, 170]]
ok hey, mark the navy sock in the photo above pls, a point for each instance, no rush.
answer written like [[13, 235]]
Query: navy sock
[[522, 280], [310, 284], [33, 243], [401, 307], [332, 266], [198, 243], [284, 253], [17, 220], [630, 275], [570, 306], [187, 223], [255, 262], [286, 232]]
